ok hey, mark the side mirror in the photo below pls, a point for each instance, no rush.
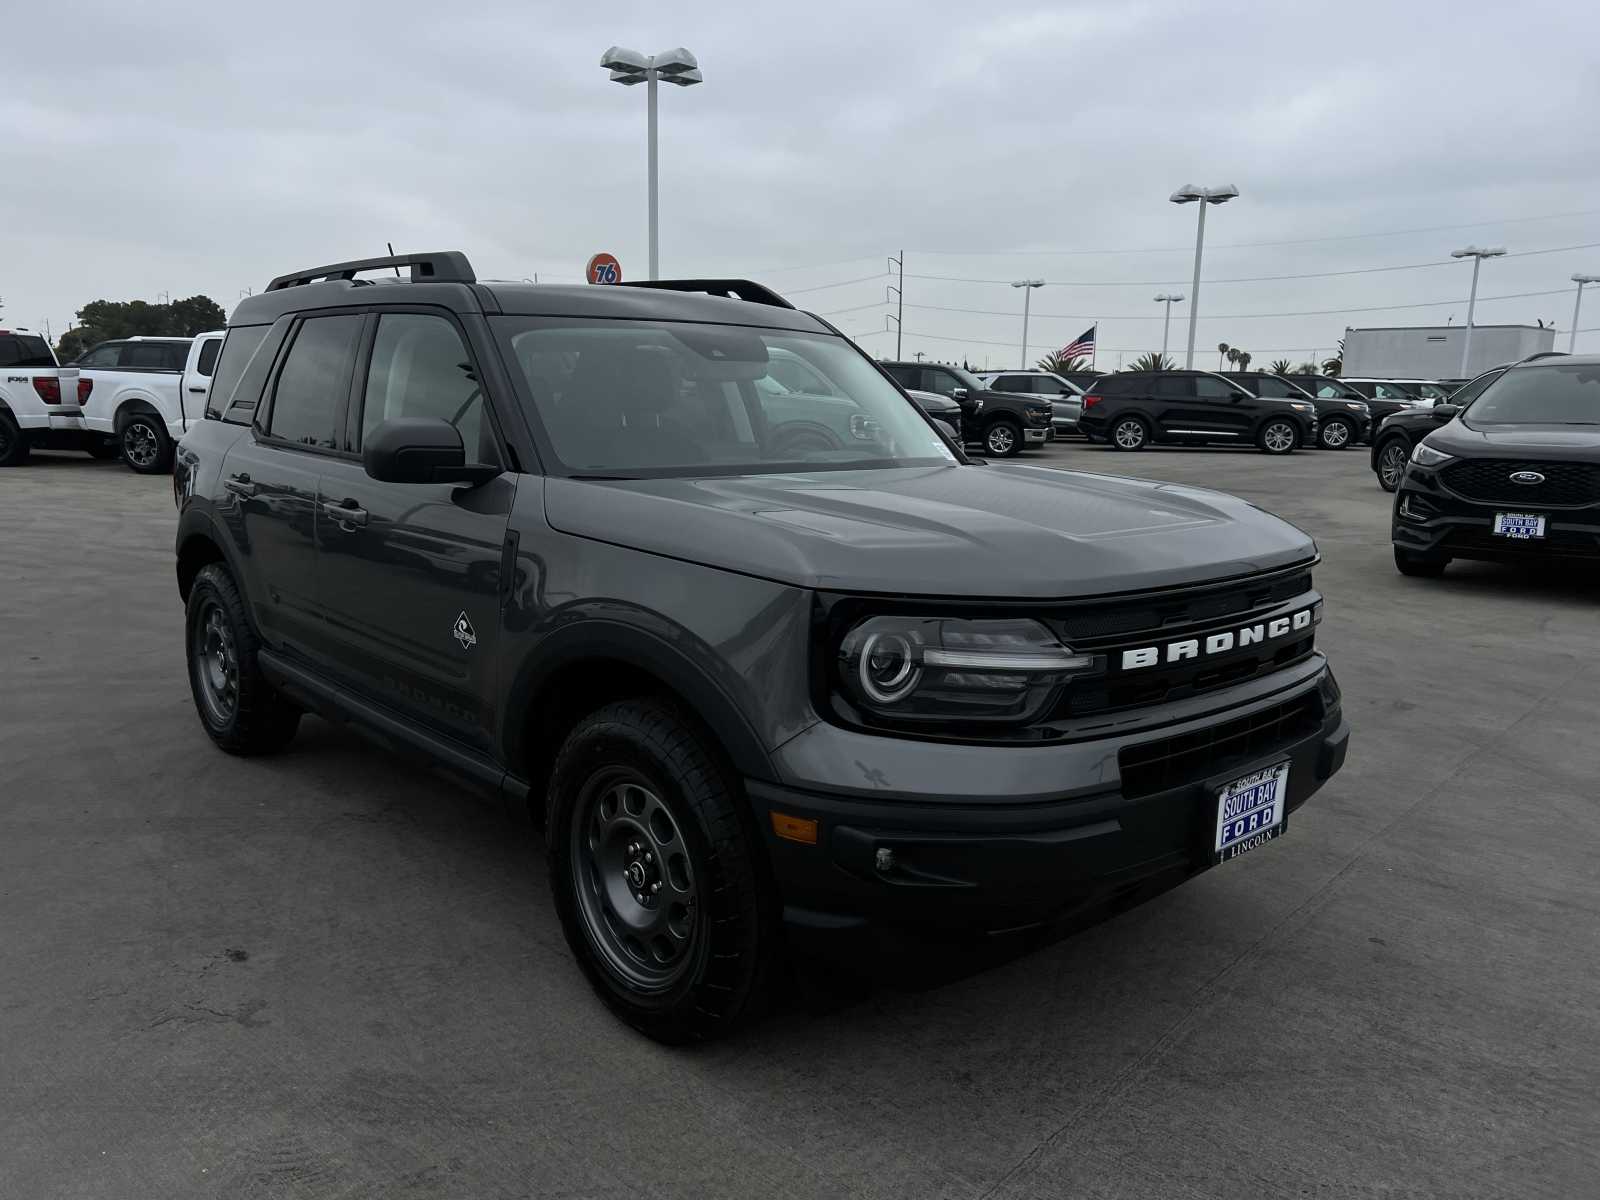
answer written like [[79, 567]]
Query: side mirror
[[1443, 412], [421, 450], [958, 394]]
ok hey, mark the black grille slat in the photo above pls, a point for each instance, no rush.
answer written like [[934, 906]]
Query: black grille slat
[[1488, 481], [1085, 624], [1157, 766]]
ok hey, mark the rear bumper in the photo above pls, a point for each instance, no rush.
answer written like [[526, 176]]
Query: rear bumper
[[1026, 867]]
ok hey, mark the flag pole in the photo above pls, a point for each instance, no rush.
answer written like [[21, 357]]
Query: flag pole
[[1095, 348]]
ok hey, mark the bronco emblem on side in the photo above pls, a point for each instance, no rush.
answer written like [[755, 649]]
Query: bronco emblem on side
[[464, 634]]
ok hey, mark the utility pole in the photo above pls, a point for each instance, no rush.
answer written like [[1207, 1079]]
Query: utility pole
[[897, 263]]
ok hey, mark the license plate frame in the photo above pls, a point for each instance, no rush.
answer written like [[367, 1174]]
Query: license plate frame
[[1251, 811], [1522, 531]]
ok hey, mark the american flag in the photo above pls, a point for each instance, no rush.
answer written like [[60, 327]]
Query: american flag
[[1083, 344]]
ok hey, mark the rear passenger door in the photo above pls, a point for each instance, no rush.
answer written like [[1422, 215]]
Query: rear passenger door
[[410, 573], [1174, 407]]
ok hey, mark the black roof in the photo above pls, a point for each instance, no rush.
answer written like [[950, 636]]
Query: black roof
[[445, 278]]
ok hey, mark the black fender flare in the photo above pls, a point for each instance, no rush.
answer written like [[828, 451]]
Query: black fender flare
[[594, 637]]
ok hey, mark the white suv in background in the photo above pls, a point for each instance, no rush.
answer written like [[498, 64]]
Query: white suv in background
[[146, 392], [1066, 398]]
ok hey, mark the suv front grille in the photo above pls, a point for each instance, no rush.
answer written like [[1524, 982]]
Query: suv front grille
[[1488, 480], [1157, 766]]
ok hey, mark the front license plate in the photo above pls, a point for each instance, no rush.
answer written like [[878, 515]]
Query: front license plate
[[1518, 525], [1250, 811]]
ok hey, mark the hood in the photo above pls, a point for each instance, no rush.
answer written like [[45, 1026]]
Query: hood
[[984, 531], [1517, 441]]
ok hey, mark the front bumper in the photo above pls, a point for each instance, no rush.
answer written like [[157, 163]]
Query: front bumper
[[1036, 437], [1112, 834], [1443, 524]]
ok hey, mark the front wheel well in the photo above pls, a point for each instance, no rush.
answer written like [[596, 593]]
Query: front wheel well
[[197, 551]]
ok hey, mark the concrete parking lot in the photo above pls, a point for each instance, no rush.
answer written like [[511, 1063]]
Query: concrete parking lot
[[328, 974]]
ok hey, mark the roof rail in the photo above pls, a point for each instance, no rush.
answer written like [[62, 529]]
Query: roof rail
[[1544, 354], [435, 266], [732, 289]]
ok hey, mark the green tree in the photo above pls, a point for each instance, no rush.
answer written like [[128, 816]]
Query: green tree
[[102, 320], [196, 315], [1307, 368], [1280, 366], [1153, 362], [1060, 364]]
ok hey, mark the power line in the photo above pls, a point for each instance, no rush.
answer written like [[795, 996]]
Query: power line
[[824, 286], [1344, 237]]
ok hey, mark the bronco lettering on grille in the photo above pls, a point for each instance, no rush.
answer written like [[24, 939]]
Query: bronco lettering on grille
[[1217, 643]]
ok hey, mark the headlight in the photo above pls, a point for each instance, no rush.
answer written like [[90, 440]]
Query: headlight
[[932, 669], [1425, 455], [1353, 406], [1298, 406]]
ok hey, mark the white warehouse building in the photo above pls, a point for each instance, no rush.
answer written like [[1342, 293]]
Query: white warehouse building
[[1420, 352]]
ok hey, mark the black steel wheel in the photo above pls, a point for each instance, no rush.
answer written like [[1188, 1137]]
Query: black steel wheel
[[237, 707], [658, 873], [146, 447], [1392, 458]]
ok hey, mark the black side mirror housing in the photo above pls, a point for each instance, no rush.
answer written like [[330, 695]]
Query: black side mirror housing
[[1444, 412], [421, 450]]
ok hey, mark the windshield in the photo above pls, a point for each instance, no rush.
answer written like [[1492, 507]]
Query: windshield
[[1564, 395], [636, 399]]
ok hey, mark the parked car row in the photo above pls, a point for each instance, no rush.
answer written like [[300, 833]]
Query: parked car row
[[1002, 422]]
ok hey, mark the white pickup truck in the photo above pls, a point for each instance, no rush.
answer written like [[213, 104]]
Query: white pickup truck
[[145, 392], [39, 401]]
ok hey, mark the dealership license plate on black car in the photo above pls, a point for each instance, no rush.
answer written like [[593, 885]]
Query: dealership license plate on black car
[[1250, 811], [1518, 525]]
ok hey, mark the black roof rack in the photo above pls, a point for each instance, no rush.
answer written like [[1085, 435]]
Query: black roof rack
[[732, 289], [437, 266], [1544, 354]]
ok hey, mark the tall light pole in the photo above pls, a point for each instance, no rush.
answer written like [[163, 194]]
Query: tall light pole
[[1188, 194], [1166, 321], [1027, 286], [629, 67], [1580, 280], [1477, 254]]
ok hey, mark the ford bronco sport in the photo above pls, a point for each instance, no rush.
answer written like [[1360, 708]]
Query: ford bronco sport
[[767, 692]]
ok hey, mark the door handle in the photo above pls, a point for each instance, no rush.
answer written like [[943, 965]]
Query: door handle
[[240, 485], [347, 513], [199, 391]]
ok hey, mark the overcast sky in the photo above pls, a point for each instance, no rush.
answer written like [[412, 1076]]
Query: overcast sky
[[204, 148]]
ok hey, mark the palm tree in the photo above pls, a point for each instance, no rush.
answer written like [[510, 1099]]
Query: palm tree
[[1332, 366], [1239, 358], [1280, 366], [1306, 368], [1222, 350], [1153, 362], [1060, 364]]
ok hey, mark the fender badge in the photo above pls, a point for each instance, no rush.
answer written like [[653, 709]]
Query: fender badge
[[463, 632]]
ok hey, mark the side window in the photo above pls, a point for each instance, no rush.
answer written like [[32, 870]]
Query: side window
[[1384, 392], [149, 356], [1208, 387], [236, 350], [208, 357], [1011, 383], [1473, 390], [174, 355], [421, 368], [315, 377], [906, 377], [102, 356], [1173, 387], [1266, 385], [935, 380]]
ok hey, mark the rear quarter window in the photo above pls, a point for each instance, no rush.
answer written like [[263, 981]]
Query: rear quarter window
[[239, 348]]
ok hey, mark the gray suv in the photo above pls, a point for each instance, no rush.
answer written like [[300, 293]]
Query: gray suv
[[680, 569]]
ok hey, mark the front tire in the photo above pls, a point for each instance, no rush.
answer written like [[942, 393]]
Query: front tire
[[14, 446], [1419, 566], [145, 444], [657, 874], [1130, 433], [1336, 433], [1003, 439], [1392, 458], [1278, 436], [238, 708]]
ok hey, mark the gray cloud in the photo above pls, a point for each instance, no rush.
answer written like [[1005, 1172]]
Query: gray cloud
[[206, 148]]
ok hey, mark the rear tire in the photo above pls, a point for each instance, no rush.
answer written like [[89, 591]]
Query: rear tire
[[640, 806], [1130, 433], [238, 708], [1003, 439], [1392, 458], [14, 448], [145, 445], [1336, 433], [1419, 566], [1278, 436]]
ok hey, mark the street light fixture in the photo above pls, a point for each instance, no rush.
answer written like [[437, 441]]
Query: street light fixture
[[1166, 321], [1477, 254], [1027, 286], [629, 67], [1580, 280], [1188, 194]]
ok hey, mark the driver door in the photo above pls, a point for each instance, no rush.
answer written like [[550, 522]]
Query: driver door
[[410, 573]]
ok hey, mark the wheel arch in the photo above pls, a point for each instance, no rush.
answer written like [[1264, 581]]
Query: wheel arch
[[129, 403]]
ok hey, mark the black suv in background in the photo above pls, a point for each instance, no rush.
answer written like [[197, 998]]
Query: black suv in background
[[1394, 440], [765, 691], [1132, 409], [1066, 399], [1001, 422], [1340, 422], [1514, 478]]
